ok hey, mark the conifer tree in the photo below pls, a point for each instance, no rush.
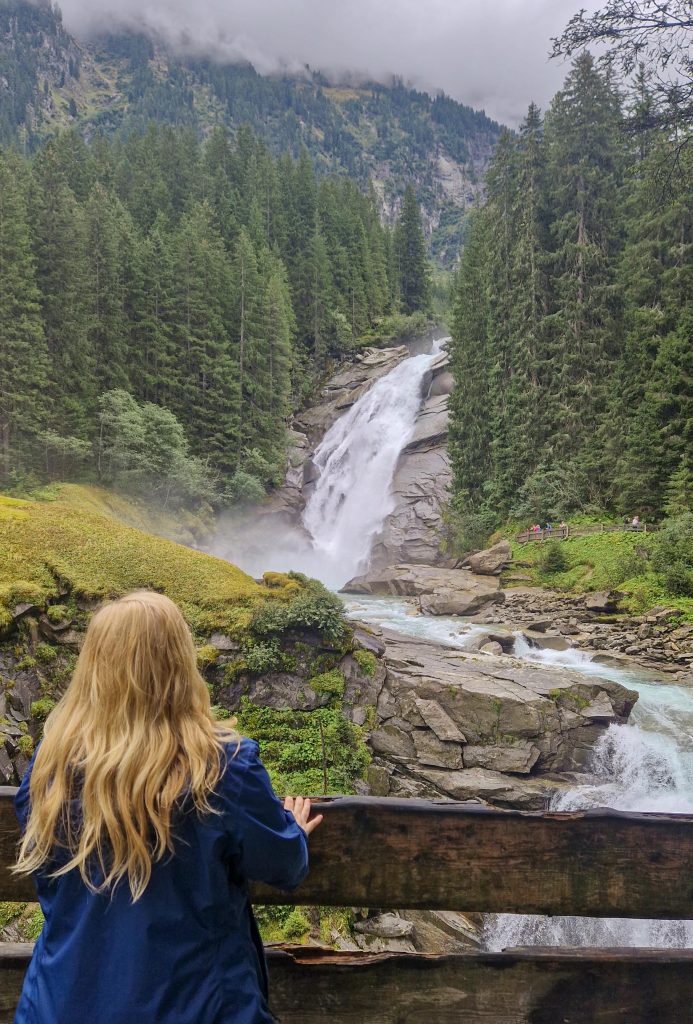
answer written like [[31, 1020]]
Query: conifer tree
[[23, 356], [412, 265], [60, 247]]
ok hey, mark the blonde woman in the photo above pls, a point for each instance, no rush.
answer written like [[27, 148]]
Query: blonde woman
[[143, 820]]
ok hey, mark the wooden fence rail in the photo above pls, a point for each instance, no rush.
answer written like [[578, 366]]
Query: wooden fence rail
[[388, 853], [566, 532]]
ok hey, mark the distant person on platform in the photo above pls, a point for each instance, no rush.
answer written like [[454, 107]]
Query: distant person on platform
[[143, 820], [635, 521]]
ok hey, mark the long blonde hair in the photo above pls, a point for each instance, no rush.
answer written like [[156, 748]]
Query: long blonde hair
[[132, 736]]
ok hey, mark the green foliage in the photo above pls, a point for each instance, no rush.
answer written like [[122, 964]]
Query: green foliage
[[45, 653], [410, 253], [553, 558], [329, 684], [206, 656], [25, 745], [41, 709], [261, 656], [312, 607], [57, 613], [572, 333], [672, 555], [367, 662], [309, 752]]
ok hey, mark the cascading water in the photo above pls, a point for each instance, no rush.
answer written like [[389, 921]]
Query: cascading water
[[356, 460], [646, 765]]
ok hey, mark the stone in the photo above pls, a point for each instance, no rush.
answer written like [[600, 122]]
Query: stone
[[603, 602], [491, 787], [439, 721], [385, 926], [19, 699], [6, 766], [391, 741], [221, 642], [516, 758], [492, 561], [430, 750], [491, 648], [600, 708], [440, 591]]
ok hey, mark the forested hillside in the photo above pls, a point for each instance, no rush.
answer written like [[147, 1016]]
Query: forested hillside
[[573, 327], [165, 303], [389, 135]]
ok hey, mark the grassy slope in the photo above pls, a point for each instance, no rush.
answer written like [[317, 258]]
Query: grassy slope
[[77, 542], [603, 562]]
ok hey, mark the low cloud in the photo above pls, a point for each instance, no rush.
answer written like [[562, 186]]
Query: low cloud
[[491, 54]]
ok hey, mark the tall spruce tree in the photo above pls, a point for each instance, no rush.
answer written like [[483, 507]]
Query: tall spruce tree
[[410, 251], [23, 355]]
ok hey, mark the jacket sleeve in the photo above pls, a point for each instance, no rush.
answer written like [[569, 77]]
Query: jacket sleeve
[[22, 802], [273, 848]]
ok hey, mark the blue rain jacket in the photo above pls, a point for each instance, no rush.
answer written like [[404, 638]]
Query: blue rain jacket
[[188, 951]]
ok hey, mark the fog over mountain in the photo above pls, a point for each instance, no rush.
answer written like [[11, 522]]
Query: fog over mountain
[[490, 54]]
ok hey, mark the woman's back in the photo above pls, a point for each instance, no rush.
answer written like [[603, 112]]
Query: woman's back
[[141, 828], [186, 952]]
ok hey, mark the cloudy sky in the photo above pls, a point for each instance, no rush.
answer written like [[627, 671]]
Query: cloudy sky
[[487, 53]]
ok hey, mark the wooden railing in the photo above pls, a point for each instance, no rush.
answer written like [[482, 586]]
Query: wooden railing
[[388, 853], [565, 532]]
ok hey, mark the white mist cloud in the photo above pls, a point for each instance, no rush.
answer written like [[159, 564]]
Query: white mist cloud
[[490, 54]]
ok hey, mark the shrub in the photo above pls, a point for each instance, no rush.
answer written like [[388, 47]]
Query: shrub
[[329, 684], [262, 656], [553, 559], [672, 555], [57, 613], [312, 607], [206, 655]]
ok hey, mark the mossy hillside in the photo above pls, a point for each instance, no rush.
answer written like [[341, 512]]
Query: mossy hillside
[[607, 561], [52, 548]]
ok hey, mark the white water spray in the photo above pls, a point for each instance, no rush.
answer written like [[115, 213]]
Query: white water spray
[[646, 765], [356, 460]]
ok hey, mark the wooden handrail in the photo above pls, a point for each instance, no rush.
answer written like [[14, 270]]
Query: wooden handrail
[[421, 854], [386, 852]]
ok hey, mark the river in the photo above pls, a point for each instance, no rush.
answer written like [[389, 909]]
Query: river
[[646, 765]]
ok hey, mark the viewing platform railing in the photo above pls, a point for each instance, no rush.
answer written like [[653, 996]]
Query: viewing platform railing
[[416, 854], [564, 532]]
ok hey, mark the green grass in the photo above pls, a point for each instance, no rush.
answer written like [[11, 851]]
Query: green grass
[[609, 561], [49, 546]]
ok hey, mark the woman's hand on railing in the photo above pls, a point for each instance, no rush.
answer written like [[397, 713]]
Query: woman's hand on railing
[[300, 808]]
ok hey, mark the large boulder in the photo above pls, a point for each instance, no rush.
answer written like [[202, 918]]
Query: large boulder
[[439, 591], [492, 561], [455, 723]]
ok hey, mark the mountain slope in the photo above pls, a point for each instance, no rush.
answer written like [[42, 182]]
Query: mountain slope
[[387, 134]]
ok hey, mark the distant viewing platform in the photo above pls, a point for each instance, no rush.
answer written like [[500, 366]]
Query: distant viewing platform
[[564, 532]]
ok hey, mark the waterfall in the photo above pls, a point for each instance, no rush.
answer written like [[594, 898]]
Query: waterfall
[[356, 463]]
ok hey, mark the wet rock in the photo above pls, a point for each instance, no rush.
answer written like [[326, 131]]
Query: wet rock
[[600, 708], [490, 787], [440, 591], [492, 561], [491, 648]]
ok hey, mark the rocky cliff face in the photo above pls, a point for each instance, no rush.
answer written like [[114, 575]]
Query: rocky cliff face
[[412, 531]]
